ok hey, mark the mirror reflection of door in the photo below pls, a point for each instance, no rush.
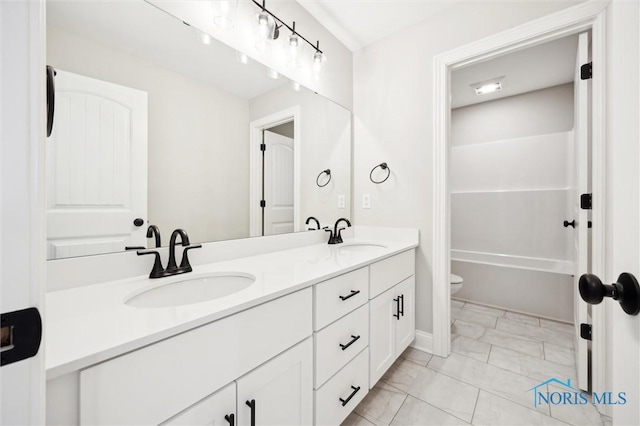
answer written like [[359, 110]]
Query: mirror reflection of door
[[277, 180], [97, 168]]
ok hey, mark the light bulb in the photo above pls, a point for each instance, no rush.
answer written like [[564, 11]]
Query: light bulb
[[263, 25], [204, 37], [293, 40], [273, 74], [242, 58], [295, 86]]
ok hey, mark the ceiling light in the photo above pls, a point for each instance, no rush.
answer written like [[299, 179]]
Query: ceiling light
[[223, 13], [488, 86]]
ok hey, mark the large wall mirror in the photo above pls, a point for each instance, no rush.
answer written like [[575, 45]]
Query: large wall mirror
[[156, 123]]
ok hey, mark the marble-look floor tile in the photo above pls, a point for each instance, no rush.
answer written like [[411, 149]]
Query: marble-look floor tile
[[470, 347], [401, 374], [526, 319], [415, 412], [457, 303], [354, 419], [446, 393], [474, 317], [539, 333], [484, 309], [494, 410], [381, 404], [417, 356], [559, 354], [467, 329], [557, 325], [536, 368], [586, 414], [512, 341], [496, 380]]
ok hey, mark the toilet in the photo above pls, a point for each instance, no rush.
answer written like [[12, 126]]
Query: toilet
[[456, 283]]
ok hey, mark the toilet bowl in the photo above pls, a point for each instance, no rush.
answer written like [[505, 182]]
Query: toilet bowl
[[456, 283]]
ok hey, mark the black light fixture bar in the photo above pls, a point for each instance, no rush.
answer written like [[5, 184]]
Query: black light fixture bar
[[292, 29]]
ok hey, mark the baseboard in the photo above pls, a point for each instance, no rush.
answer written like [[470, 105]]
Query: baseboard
[[423, 341]]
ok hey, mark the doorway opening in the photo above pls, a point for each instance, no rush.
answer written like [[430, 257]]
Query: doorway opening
[[274, 169]]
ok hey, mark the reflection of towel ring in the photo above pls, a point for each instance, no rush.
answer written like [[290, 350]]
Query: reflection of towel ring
[[328, 173], [383, 166]]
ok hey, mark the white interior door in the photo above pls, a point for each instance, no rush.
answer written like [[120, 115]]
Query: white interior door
[[97, 168], [278, 184], [581, 186]]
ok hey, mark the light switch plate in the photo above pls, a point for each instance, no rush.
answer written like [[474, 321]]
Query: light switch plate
[[366, 201], [341, 201]]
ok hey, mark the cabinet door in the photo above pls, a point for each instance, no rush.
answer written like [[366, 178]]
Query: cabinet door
[[214, 410], [281, 390], [382, 325], [406, 325]]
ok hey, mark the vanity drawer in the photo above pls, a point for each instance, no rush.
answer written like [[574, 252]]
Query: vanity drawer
[[389, 272], [330, 355], [330, 410], [152, 384], [338, 296]]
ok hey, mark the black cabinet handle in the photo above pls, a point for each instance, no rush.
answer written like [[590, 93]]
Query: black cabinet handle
[[346, 401], [353, 293], [252, 405], [571, 224], [231, 418], [401, 309], [397, 300], [353, 340]]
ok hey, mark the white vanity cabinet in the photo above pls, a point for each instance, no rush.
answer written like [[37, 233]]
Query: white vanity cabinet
[[391, 311], [215, 410]]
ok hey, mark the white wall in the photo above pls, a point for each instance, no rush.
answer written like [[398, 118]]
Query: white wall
[[393, 105], [198, 140], [325, 138], [336, 79]]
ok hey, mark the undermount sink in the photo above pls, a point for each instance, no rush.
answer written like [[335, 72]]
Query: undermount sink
[[187, 291], [360, 247]]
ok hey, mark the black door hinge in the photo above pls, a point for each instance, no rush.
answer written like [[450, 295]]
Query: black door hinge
[[585, 331], [263, 147], [585, 201], [21, 334], [586, 71], [263, 203]]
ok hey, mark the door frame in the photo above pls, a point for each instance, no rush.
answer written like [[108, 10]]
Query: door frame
[[589, 16], [255, 139]]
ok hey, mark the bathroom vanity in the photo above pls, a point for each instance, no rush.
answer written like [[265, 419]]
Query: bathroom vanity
[[302, 344]]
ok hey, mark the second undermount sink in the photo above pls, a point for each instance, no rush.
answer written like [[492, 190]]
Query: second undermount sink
[[355, 247], [187, 290]]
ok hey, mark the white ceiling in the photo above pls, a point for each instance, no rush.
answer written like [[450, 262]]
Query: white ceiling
[[359, 23], [536, 68], [146, 32]]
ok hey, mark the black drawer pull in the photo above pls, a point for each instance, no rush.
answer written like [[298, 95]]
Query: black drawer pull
[[401, 311], [397, 300], [353, 293], [346, 401], [354, 339], [252, 405], [231, 418]]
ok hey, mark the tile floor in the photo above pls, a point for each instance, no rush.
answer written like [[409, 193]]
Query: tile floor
[[496, 357]]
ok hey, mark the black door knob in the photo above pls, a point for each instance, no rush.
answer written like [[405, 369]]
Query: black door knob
[[626, 291], [138, 222]]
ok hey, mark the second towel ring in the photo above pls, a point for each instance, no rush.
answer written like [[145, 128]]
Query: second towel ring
[[383, 166], [328, 173]]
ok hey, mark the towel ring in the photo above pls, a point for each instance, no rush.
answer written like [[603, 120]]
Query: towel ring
[[383, 166], [328, 173]]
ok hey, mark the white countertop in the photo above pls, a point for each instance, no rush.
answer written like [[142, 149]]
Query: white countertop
[[90, 324]]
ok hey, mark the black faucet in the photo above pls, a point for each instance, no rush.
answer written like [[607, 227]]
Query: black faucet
[[309, 219], [335, 237], [172, 269], [152, 231]]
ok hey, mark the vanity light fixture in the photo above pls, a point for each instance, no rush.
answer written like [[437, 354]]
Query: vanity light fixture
[[268, 29], [223, 13], [488, 86]]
